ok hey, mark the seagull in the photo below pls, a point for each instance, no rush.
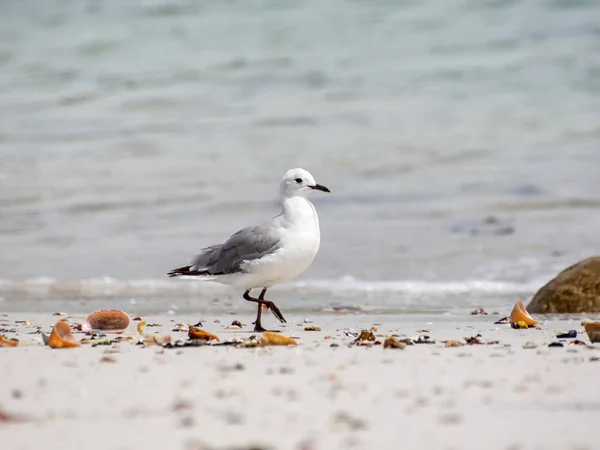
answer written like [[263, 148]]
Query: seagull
[[261, 256]]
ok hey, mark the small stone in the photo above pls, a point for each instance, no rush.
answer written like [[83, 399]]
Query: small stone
[[453, 344], [312, 328], [572, 334], [530, 345], [504, 320], [556, 344]]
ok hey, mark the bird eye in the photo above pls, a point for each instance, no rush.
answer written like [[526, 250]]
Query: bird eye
[[298, 180]]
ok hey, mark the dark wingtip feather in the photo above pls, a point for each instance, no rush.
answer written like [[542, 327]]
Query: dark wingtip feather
[[181, 271], [186, 271]]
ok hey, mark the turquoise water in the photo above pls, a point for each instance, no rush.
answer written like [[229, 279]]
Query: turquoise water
[[460, 139]]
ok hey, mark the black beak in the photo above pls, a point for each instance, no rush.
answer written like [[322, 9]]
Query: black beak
[[320, 187]]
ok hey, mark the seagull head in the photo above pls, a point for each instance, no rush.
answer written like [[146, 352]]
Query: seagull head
[[299, 182]]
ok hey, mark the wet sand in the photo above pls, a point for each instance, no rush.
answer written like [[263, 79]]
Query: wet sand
[[313, 396]]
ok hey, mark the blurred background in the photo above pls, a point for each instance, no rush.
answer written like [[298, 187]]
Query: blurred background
[[460, 140]]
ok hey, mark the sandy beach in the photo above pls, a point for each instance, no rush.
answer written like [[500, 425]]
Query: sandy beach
[[460, 141], [326, 393]]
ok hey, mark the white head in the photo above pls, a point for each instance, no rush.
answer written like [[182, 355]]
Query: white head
[[299, 182]]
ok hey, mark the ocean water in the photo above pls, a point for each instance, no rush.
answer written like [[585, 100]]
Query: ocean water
[[460, 140]]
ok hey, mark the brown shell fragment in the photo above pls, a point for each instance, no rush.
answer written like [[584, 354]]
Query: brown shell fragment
[[61, 336], [198, 333], [453, 344], [107, 321], [161, 339], [268, 338], [392, 342], [593, 330], [520, 314], [5, 342], [312, 328], [366, 335]]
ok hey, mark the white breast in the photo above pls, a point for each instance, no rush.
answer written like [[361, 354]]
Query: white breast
[[300, 241]]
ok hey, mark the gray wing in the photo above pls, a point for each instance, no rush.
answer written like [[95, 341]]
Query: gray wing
[[248, 244]]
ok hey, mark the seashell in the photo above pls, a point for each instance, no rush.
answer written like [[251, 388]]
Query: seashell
[[312, 328], [453, 344], [269, 338], [140, 328], [107, 321], [233, 328], [61, 336], [366, 335], [5, 342], [529, 345], [392, 342], [161, 339], [197, 333], [236, 323], [593, 330], [519, 313]]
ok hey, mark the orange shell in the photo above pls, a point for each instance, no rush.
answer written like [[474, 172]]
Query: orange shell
[[520, 314], [61, 336], [269, 338], [107, 321], [5, 342], [197, 333], [140, 328]]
